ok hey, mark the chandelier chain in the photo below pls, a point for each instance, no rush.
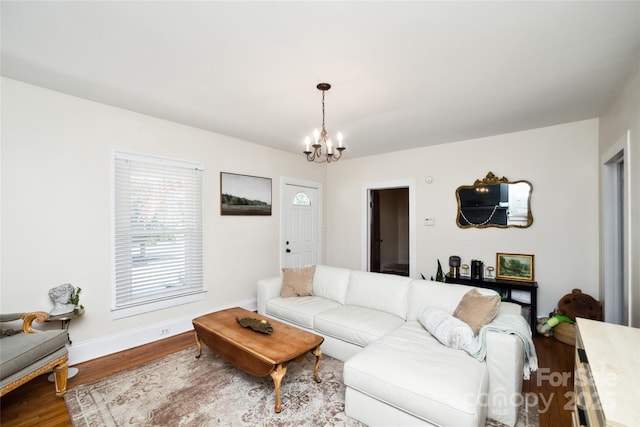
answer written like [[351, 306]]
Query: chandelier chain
[[323, 109]]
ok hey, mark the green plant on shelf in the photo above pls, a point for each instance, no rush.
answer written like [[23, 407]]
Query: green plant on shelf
[[439, 274], [75, 297]]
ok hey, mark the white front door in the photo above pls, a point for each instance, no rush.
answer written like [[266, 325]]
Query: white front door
[[300, 226]]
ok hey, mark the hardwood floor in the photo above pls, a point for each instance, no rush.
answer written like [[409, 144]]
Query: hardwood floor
[[552, 384], [35, 404]]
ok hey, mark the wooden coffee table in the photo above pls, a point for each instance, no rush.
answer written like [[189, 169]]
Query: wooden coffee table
[[256, 353]]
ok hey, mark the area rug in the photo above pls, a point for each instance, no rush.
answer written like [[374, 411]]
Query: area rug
[[180, 390]]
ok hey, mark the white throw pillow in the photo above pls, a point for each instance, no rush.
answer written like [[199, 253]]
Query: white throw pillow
[[447, 329]]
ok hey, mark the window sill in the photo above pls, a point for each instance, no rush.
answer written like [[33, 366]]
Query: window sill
[[120, 313]]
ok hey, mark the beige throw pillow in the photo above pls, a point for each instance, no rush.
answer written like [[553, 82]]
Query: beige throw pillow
[[477, 310], [297, 282]]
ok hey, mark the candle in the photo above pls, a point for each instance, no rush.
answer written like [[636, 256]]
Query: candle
[[316, 135], [329, 147], [307, 143], [340, 139]]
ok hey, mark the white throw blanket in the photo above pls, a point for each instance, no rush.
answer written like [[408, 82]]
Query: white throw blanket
[[508, 324]]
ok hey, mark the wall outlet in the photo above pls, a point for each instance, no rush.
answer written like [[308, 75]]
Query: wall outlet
[[164, 331]]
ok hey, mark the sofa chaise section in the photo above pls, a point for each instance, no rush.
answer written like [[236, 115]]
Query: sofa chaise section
[[410, 370]]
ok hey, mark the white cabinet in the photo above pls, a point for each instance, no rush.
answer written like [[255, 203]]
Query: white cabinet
[[607, 375]]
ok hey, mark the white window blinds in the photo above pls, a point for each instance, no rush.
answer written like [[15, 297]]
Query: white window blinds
[[157, 231]]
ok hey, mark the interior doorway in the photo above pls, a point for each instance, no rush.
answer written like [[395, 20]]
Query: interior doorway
[[389, 228], [616, 201], [390, 231]]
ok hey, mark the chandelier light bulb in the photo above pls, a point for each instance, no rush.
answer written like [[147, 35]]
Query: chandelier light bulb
[[339, 139], [307, 144], [316, 135]]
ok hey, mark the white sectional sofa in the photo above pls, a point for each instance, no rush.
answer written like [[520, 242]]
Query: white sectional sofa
[[395, 372]]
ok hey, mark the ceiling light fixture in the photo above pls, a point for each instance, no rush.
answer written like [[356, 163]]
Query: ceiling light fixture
[[315, 152]]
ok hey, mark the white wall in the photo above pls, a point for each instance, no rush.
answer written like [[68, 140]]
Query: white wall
[[56, 207], [623, 115], [559, 161], [56, 204]]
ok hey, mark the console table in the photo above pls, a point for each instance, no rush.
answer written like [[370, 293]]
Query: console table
[[505, 288]]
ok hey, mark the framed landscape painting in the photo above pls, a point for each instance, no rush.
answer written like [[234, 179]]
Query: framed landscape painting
[[244, 194], [514, 267]]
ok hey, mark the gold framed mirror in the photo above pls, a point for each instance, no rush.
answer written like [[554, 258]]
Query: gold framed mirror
[[494, 202]]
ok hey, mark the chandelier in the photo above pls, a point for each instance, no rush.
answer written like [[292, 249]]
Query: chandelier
[[322, 149]]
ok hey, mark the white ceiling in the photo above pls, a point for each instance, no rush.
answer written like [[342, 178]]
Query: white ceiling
[[404, 74]]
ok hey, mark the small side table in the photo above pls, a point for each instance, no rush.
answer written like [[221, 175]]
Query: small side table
[[65, 319]]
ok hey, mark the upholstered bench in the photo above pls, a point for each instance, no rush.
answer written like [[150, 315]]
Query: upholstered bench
[[29, 353]]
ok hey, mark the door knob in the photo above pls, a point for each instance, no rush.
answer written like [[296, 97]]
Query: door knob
[[288, 250]]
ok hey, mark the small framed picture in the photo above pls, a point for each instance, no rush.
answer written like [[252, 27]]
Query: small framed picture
[[244, 194], [514, 267]]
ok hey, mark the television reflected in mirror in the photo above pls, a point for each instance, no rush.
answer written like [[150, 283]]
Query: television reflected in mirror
[[494, 202]]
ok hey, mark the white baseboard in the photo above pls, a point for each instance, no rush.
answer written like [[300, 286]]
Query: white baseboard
[[83, 351]]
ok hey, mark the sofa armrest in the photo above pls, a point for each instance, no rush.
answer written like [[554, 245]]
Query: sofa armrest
[[10, 317], [509, 308], [27, 319], [268, 289], [505, 362]]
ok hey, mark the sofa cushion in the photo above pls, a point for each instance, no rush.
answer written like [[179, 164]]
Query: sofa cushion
[[356, 325], [446, 328], [331, 282], [409, 369], [382, 292], [21, 350], [477, 310], [22, 373], [297, 282], [299, 310]]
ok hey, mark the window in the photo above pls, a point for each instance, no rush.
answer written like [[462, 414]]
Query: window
[[158, 255], [302, 199]]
